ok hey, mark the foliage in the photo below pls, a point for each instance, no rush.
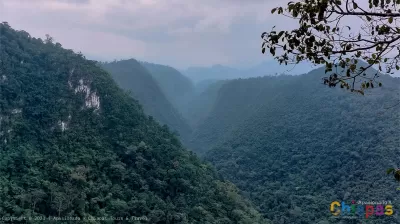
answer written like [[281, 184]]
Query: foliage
[[135, 78], [177, 88], [294, 146], [325, 36], [395, 172], [63, 154], [217, 110], [202, 102]]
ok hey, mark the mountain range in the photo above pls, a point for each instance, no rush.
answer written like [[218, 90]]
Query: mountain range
[[77, 147], [217, 144], [267, 68], [293, 145]]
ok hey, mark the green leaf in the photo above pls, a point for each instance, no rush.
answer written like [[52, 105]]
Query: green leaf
[[263, 50], [273, 10], [390, 170], [397, 175], [390, 20]]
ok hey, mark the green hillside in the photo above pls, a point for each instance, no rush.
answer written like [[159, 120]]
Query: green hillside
[[133, 77], [294, 146], [225, 106], [202, 103], [73, 144], [178, 88]]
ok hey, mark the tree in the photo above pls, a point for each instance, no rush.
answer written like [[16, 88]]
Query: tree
[[49, 39], [37, 196], [323, 38], [59, 203]]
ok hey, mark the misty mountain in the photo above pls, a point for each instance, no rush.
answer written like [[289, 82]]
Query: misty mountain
[[178, 88], [267, 68], [132, 76], [215, 72], [293, 145], [202, 103], [203, 85], [74, 144]]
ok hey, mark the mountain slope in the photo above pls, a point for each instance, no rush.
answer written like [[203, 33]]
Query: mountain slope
[[202, 103], [132, 76], [294, 146], [178, 88], [230, 104], [75, 145]]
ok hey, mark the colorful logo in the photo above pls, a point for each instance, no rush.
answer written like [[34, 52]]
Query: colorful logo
[[361, 209]]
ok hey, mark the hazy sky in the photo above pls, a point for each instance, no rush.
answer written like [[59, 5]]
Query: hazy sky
[[180, 33]]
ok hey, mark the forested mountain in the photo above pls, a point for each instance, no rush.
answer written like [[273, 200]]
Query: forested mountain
[[274, 68], [202, 103], [178, 88], [229, 104], [202, 86], [294, 145], [218, 72], [132, 76], [73, 144], [267, 68]]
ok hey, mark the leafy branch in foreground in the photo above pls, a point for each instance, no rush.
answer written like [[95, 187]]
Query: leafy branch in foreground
[[323, 37], [395, 172]]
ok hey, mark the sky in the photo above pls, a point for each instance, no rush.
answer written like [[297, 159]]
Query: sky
[[180, 33]]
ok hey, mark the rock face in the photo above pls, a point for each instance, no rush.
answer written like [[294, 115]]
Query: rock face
[[92, 100]]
